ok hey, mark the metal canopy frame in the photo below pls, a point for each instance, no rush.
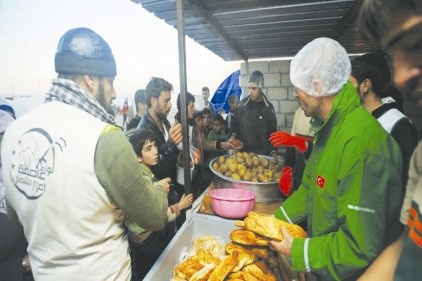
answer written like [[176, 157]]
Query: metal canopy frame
[[262, 29]]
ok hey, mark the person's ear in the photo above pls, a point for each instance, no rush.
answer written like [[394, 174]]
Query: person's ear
[[139, 158], [317, 86], [354, 82], [154, 102], [89, 81], [365, 86]]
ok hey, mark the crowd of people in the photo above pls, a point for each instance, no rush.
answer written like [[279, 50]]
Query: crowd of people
[[95, 201]]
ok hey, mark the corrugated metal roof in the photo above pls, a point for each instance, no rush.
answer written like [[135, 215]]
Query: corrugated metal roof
[[253, 29]]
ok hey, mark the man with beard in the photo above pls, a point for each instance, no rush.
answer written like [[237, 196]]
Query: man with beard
[[71, 175], [370, 75], [158, 95], [398, 26], [350, 194]]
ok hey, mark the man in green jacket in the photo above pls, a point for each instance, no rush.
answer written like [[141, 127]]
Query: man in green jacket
[[351, 188]]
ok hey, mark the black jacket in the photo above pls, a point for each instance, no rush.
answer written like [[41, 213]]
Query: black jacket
[[406, 135], [134, 122], [253, 123], [168, 151]]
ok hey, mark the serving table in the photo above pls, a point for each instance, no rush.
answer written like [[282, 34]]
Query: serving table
[[201, 221]]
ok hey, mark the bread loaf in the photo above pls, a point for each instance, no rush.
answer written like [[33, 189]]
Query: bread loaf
[[270, 226], [224, 267], [248, 237]]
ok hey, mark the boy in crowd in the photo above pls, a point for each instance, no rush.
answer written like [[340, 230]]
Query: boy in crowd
[[216, 134], [233, 105], [206, 120], [198, 116], [147, 246]]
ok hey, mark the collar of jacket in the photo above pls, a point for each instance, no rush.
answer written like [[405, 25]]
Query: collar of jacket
[[264, 99], [151, 122], [378, 112], [345, 102], [147, 171]]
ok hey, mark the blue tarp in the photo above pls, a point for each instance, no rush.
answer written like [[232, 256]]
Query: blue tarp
[[230, 86]]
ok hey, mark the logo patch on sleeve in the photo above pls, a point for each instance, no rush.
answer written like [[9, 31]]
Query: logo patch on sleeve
[[320, 182]]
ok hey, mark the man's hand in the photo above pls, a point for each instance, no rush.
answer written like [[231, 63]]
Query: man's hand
[[285, 246], [281, 138], [194, 154], [175, 133], [226, 145], [165, 184], [286, 179]]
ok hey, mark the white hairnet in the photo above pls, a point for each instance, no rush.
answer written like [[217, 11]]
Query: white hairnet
[[321, 68], [258, 78]]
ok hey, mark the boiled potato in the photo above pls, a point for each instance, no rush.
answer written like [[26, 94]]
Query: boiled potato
[[241, 170], [221, 159], [260, 169], [268, 173], [249, 162], [224, 168], [265, 162], [236, 176], [247, 176], [240, 159]]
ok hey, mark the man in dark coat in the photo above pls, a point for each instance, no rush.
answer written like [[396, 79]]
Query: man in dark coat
[[158, 95], [255, 120]]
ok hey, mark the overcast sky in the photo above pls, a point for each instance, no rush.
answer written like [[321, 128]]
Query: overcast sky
[[143, 46]]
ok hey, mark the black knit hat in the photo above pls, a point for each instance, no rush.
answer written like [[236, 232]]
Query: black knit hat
[[82, 51]]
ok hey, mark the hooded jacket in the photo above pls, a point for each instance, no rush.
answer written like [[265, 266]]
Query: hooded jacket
[[350, 193]]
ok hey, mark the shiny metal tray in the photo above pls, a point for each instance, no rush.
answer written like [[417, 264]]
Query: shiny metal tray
[[194, 226]]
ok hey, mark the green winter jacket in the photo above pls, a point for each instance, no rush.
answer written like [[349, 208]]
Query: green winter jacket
[[350, 194]]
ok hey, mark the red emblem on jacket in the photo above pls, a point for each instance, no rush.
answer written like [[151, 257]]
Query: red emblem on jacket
[[320, 181]]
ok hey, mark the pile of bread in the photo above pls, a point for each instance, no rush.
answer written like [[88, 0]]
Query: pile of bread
[[246, 257]]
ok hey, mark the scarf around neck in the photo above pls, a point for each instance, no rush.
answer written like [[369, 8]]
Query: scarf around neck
[[69, 92]]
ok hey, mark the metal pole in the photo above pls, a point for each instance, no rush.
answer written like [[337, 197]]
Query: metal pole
[[183, 90]]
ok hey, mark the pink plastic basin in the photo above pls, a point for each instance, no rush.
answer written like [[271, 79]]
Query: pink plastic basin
[[232, 202]]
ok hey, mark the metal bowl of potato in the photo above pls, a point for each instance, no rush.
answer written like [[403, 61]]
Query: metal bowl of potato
[[247, 170]]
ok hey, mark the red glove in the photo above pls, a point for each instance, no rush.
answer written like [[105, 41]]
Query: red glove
[[281, 138], [286, 179]]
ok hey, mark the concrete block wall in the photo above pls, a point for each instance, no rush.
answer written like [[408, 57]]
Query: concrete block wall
[[278, 88], [279, 91]]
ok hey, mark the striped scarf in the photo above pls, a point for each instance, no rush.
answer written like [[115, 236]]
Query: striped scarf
[[69, 92]]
